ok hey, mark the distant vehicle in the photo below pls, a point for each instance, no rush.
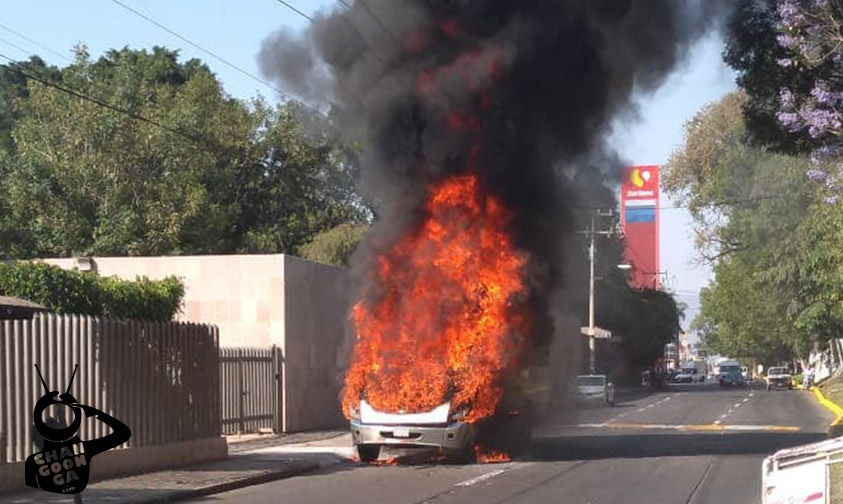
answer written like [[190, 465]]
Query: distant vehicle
[[779, 377], [730, 374], [692, 371], [595, 388], [689, 375]]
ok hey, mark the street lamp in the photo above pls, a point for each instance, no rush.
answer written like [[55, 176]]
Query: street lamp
[[629, 267]]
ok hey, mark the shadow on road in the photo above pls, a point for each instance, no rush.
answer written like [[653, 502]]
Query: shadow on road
[[589, 447]]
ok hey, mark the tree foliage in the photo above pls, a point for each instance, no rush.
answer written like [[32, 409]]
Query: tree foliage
[[646, 319], [752, 49], [206, 173], [750, 205], [789, 57], [336, 245]]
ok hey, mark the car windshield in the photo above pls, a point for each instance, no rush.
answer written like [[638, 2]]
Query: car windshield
[[590, 381], [777, 371], [729, 369]]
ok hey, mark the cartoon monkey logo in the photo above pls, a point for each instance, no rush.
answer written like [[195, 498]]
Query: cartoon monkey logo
[[63, 464]]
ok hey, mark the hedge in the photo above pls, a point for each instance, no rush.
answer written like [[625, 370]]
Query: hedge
[[72, 291]]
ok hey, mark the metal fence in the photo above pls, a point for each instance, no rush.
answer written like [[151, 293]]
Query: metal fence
[[251, 389], [160, 379]]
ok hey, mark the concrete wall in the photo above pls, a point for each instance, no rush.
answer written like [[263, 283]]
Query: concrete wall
[[242, 294], [315, 303], [263, 300]]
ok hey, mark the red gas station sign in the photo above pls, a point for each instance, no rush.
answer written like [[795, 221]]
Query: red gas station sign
[[640, 224]]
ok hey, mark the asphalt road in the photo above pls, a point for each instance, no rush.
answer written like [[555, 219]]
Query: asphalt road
[[690, 444]]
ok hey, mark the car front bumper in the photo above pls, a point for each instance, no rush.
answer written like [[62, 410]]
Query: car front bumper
[[454, 436], [780, 382]]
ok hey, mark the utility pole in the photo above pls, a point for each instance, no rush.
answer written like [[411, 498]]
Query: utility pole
[[592, 233]]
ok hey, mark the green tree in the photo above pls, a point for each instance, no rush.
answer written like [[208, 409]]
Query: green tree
[[204, 173], [748, 204], [739, 318], [303, 184], [336, 245]]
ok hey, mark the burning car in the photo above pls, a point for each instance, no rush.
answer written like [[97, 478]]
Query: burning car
[[444, 428], [437, 428], [441, 333]]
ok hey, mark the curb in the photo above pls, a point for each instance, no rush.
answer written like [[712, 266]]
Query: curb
[[182, 495], [834, 408]]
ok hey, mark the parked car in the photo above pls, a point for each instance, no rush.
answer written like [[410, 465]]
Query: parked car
[[779, 377], [595, 388], [730, 374], [444, 428], [689, 375]]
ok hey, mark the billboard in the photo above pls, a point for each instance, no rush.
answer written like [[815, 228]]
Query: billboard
[[640, 224]]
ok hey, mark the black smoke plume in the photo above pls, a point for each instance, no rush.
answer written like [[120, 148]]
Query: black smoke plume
[[520, 92]]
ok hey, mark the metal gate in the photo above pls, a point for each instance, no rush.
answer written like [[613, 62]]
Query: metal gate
[[251, 389]]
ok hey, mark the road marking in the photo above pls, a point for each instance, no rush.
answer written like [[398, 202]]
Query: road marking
[[745, 399], [482, 477], [716, 426], [622, 415], [736, 405], [640, 410]]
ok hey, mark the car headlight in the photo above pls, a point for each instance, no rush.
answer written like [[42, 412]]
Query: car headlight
[[459, 415]]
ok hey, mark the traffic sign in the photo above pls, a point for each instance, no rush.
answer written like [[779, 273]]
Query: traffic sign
[[596, 332]]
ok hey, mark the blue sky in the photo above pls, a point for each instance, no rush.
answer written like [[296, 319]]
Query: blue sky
[[234, 31]]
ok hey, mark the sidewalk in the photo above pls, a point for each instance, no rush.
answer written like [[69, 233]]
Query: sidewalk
[[251, 461]]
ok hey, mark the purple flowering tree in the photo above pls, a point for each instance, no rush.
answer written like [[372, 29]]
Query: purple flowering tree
[[812, 33]]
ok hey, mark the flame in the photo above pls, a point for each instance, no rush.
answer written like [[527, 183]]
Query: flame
[[444, 324], [489, 456]]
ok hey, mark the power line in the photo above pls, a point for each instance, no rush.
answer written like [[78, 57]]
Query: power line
[[12, 44], [42, 46], [215, 56], [374, 17], [15, 66], [300, 13]]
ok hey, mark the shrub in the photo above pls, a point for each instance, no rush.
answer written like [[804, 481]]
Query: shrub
[[72, 291], [142, 299]]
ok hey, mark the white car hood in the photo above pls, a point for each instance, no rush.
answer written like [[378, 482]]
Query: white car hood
[[437, 415]]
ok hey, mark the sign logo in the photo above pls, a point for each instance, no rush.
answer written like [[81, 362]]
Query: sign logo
[[640, 177], [62, 464]]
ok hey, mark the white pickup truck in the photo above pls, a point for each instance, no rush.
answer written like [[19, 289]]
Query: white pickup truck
[[779, 377]]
